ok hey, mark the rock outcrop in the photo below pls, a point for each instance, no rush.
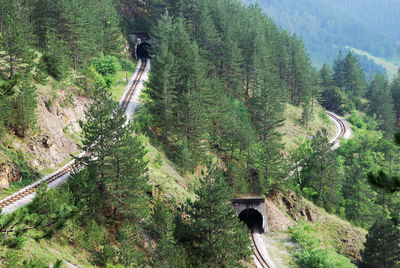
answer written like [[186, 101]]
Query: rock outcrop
[[8, 174], [58, 123]]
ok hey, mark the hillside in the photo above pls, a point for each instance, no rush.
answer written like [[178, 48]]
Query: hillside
[[232, 107], [329, 26]]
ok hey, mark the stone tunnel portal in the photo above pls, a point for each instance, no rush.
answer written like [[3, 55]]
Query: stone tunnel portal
[[253, 212], [252, 218]]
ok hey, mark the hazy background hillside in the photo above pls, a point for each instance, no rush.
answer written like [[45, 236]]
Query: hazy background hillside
[[327, 26]]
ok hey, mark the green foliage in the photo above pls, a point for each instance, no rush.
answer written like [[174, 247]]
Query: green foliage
[[335, 100], [381, 104], [319, 178], [115, 169], [382, 245], [211, 232], [107, 66], [311, 254], [128, 253], [362, 121], [17, 56], [48, 212]]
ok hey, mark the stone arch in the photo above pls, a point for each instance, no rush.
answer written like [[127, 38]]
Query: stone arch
[[254, 206]]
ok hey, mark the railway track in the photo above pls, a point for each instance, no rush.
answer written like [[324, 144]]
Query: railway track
[[132, 89], [67, 169], [341, 125], [257, 253]]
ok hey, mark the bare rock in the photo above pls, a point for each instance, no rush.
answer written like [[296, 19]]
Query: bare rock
[[7, 175], [277, 220], [52, 145]]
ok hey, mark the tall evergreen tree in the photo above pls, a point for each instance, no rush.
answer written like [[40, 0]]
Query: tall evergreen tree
[[162, 80], [212, 232], [24, 105], [326, 76], [381, 104], [395, 86], [339, 71], [382, 246], [15, 42], [115, 172], [354, 76]]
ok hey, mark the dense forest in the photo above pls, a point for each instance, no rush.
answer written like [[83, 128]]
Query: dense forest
[[328, 26], [221, 77]]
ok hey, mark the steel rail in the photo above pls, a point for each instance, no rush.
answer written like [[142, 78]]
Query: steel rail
[[257, 253], [19, 195], [342, 127], [132, 90]]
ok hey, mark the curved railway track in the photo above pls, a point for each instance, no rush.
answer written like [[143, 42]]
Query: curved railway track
[[341, 125], [67, 169], [257, 253]]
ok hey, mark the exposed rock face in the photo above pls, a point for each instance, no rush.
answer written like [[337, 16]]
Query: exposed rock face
[[7, 175], [57, 121]]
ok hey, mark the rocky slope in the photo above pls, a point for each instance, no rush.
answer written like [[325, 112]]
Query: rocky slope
[[54, 140]]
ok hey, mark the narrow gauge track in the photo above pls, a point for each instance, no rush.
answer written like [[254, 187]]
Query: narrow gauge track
[[341, 125], [132, 90], [30, 189], [257, 253]]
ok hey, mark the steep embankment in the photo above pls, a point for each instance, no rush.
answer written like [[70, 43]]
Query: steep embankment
[[288, 210], [53, 140]]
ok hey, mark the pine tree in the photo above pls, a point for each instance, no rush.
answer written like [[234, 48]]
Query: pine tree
[[339, 71], [114, 160], [382, 246], [126, 180], [24, 105], [381, 104], [326, 76], [213, 234], [162, 79], [14, 41], [47, 213], [354, 76], [320, 171], [395, 87], [316, 89]]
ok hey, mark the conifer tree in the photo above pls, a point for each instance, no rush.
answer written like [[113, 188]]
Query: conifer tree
[[162, 79], [24, 105], [115, 165], [354, 76], [14, 41], [338, 75], [382, 245], [395, 87], [213, 234], [326, 76], [320, 171], [381, 104]]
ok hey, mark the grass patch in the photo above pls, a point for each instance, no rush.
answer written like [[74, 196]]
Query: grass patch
[[46, 251], [311, 253], [390, 67], [294, 132], [334, 232], [120, 83], [163, 174]]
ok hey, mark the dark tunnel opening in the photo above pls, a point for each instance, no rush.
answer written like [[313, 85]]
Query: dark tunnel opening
[[253, 219], [143, 50]]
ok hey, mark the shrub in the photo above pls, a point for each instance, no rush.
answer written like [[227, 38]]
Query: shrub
[[106, 65], [311, 254]]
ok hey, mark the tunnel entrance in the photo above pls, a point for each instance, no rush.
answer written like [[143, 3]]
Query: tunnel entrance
[[143, 50], [253, 219]]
